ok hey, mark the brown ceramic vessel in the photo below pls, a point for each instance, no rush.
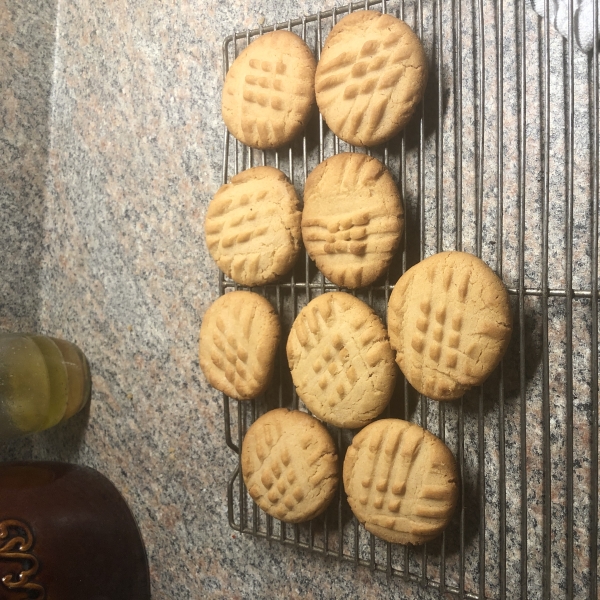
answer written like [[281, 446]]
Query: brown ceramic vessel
[[67, 534]]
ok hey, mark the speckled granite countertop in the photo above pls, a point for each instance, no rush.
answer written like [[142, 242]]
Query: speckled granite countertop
[[111, 147]]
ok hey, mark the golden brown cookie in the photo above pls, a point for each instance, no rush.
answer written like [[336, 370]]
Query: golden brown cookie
[[238, 339], [352, 219], [253, 226], [341, 360], [371, 77], [269, 91], [401, 481], [450, 323], [290, 465]]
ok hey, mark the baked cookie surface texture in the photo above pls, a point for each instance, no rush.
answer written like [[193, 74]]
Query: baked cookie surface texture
[[450, 323], [341, 361], [371, 77], [352, 219], [290, 465], [252, 226], [401, 481], [239, 336], [269, 92]]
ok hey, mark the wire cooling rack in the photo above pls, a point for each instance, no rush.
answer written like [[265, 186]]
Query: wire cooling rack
[[502, 160]]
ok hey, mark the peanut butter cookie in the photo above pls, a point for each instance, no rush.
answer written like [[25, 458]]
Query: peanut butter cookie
[[449, 321], [341, 360], [290, 465], [352, 220], [401, 481], [238, 339], [269, 91], [371, 77], [253, 226]]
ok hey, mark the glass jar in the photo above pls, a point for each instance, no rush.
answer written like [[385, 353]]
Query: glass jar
[[43, 381]]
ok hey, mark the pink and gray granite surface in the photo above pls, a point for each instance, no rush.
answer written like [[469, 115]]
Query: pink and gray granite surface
[[111, 146]]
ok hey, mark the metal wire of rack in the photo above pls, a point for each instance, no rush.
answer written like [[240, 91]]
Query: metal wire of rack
[[501, 161]]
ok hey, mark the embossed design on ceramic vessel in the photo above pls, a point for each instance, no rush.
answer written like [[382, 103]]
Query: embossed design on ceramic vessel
[[16, 546]]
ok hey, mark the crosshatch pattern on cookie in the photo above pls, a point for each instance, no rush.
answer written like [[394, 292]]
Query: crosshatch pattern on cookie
[[341, 360], [352, 219], [371, 76], [449, 323], [401, 481], [238, 341], [269, 91], [253, 226], [290, 465]]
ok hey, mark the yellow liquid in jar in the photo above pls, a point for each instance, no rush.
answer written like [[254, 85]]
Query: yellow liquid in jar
[[42, 381]]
